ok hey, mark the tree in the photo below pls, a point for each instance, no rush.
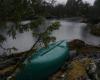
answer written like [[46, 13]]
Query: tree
[[97, 8], [84, 9], [77, 8], [59, 10], [93, 15], [15, 11], [71, 8]]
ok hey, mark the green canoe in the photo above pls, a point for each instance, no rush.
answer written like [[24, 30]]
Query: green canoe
[[44, 62]]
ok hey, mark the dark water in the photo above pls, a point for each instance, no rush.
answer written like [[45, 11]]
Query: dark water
[[68, 31]]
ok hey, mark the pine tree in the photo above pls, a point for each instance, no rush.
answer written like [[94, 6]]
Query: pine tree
[[15, 11], [97, 8]]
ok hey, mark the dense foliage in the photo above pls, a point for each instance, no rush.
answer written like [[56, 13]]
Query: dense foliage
[[72, 8], [96, 8]]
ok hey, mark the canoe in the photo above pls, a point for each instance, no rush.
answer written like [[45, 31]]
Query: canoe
[[44, 62]]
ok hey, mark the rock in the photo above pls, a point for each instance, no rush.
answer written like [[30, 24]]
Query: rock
[[76, 70], [91, 71], [76, 44]]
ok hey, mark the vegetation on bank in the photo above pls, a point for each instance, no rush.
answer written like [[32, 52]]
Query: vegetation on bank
[[94, 19], [95, 29]]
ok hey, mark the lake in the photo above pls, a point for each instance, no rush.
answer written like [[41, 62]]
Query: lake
[[69, 30]]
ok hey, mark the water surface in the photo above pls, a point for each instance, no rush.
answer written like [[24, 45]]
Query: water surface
[[67, 31]]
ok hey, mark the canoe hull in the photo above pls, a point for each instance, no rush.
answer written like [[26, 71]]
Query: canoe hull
[[45, 64]]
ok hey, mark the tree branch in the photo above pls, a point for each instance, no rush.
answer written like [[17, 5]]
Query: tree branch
[[36, 43]]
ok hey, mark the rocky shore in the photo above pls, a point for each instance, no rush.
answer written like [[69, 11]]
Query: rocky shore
[[82, 65], [83, 58]]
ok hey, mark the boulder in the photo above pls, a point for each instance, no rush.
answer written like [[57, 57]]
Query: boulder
[[74, 44]]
